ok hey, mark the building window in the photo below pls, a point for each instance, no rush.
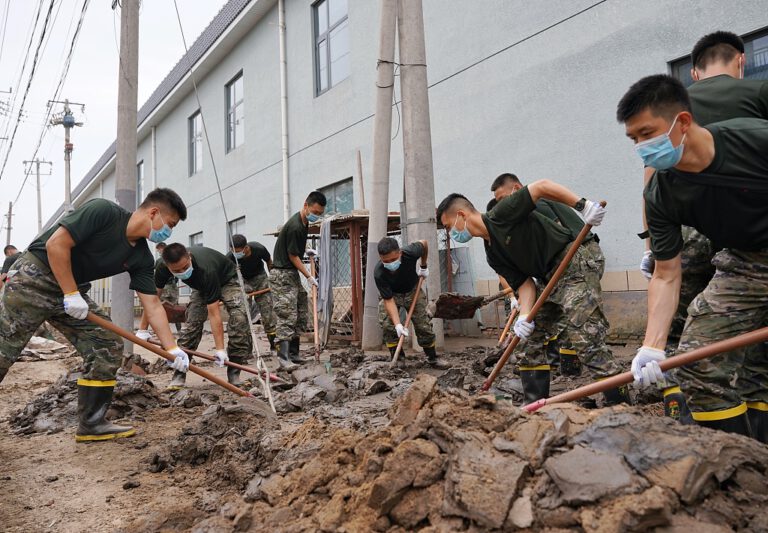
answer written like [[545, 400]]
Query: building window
[[235, 113], [196, 239], [236, 227], [755, 51], [331, 43], [139, 183], [340, 197], [195, 143]]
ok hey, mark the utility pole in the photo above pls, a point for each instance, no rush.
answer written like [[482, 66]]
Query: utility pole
[[382, 146], [417, 142], [67, 119], [37, 163], [125, 159], [8, 223]]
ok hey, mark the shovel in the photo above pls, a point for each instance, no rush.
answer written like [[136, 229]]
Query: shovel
[[314, 309], [727, 345], [399, 348], [452, 306], [106, 324], [257, 293], [540, 301]]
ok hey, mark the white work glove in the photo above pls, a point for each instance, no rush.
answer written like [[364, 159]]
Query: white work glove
[[514, 304], [312, 282], [401, 330], [221, 357], [75, 305], [647, 264], [181, 363], [645, 367], [593, 213], [143, 334], [523, 328], [311, 252], [422, 272]]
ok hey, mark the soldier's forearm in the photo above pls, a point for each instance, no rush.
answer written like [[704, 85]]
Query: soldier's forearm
[[425, 255], [526, 296], [60, 259], [296, 262], [391, 308], [154, 314], [663, 297], [217, 325]]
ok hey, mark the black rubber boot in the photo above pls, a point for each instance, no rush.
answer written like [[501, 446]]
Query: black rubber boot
[[535, 382], [675, 406], [735, 424], [271, 339], [293, 353], [433, 360], [758, 421], [177, 381], [233, 375], [570, 365], [617, 396], [283, 356], [553, 352], [93, 400]]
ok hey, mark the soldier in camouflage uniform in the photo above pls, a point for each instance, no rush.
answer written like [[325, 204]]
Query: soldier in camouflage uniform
[[213, 279], [252, 257], [396, 276], [97, 240], [712, 178], [523, 244], [289, 296]]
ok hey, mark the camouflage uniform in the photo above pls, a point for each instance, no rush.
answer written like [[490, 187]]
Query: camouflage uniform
[[290, 303], [263, 301], [419, 321], [573, 313], [31, 297], [170, 293], [239, 340], [734, 302]]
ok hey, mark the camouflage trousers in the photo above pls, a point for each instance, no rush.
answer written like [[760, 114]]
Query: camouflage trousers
[[32, 296], [239, 340], [263, 301], [735, 301], [170, 293], [290, 303], [573, 314], [419, 321]]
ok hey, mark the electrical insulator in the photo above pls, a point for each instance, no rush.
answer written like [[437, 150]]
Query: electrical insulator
[[68, 121]]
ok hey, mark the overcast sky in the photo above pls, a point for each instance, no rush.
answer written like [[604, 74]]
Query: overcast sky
[[92, 80]]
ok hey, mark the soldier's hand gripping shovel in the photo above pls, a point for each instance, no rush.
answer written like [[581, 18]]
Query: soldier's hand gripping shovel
[[727, 345], [540, 301], [452, 306], [106, 324], [407, 322], [314, 308]]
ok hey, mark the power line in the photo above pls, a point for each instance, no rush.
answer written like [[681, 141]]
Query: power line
[[5, 25]]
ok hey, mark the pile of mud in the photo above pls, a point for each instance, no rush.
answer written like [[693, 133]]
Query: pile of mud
[[450, 462], [56, 408]]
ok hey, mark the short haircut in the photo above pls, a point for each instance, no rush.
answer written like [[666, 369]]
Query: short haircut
[[174, 253], [160, 246], [316, 198], [453, 201], [503, 179], [491, 204], [663, 95], [8, 248], [167, 198], [387, 245], [716, 47], [239, 241]]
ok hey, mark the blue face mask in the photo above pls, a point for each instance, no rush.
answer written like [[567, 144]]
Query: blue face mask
[[186, 274], [659, 153], [394, 265], [460, 236], [162, 234], [238, 255], [312, 218]]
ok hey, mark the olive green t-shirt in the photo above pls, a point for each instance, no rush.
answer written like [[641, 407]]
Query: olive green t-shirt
[[292, 240], [9, 261], [722, 98], [727, 202], [253, 265], [101, 247], [210, 271], [523, 243]]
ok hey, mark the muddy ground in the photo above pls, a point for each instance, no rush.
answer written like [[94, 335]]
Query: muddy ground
[[357, 446]]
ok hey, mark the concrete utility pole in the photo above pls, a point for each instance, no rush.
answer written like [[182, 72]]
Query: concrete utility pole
[[125, 159], [37, 163], [8, 223], [284, 110], [417, 142], [382, 146], [67, 119]]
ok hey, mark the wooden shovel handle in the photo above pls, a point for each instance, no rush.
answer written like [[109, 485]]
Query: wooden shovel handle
[[314, 309], [411, 309]]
